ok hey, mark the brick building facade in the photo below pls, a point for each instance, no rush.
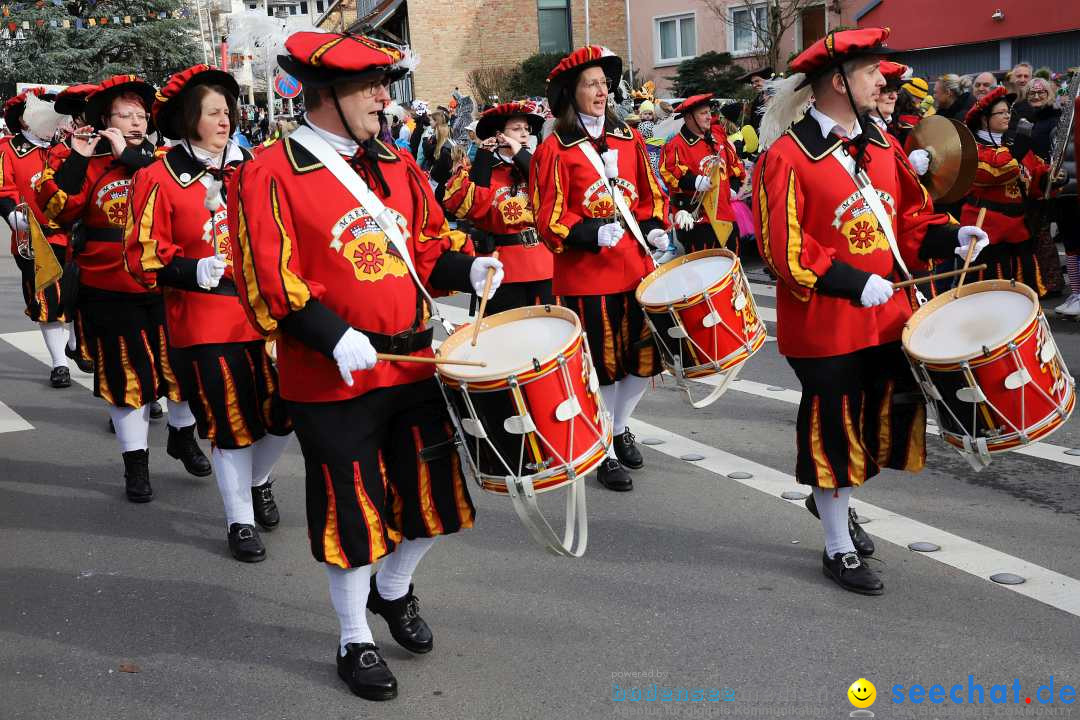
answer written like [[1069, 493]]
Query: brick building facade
[[455, 36]]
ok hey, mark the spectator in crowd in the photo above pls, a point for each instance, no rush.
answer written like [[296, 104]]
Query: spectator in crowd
[[1020, 79], [950, 99], [438, 150], [983, 83]]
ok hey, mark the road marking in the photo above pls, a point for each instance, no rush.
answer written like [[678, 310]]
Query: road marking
[[1046, 586], [763, 290], [33, 344], [11, 421]]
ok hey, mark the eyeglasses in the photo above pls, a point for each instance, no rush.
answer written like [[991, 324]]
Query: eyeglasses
[[372, 89], [1038, 93], [126, 116], [1001, 112], [595, 85]]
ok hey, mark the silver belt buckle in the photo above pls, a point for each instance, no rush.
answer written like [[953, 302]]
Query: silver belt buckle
[[529, 237]]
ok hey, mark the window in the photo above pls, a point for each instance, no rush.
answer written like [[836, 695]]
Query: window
[[303, 7], [745, 27], [675, 38], [554, 22], [292, 9], [253, 6], [320, 6]]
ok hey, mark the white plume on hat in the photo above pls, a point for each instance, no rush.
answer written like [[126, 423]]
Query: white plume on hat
[[786, 107], [40, 117]]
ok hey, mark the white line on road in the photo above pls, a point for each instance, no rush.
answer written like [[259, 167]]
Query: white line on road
[[31, 343], [1046, 586], [11, 421]]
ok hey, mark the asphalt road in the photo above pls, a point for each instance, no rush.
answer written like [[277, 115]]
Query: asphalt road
[[692, 581]]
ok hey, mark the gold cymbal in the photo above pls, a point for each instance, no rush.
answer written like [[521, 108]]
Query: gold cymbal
[[954, 157]]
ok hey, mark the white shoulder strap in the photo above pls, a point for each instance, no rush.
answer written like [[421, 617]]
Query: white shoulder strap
[[324, 153], [617, 197], [870, 195]]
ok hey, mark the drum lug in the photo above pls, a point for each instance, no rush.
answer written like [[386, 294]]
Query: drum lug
[[740, 302], [678, 333], [1017, 379], [519, 424], [567, 409], [711, 320], [970, 395], [473, 427], [931, 390]]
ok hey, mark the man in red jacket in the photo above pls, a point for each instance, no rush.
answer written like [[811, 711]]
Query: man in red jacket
[[819, 192], [339, 243]]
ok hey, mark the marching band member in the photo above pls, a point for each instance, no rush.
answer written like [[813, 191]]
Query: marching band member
[[598, 261], [889, 122], [177, 238], [32, 120], [493, 196], [340, 240], [834, 246], [1004, 181], [121, 323], [686, 165]]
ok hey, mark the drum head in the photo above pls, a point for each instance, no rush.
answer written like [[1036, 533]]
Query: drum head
[[960, 328], [509, 342], [677, 280]]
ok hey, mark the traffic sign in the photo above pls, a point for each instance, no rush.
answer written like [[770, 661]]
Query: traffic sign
[[286, 85]]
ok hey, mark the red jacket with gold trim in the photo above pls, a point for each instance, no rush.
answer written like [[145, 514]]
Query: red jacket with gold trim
[[95, 189], [687, 156], [493, 195], [1002, 184], [571, 202], [21, 166], [168, 231], [313, 263], [822, 241]]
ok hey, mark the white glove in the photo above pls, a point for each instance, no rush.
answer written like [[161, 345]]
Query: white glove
[[658, 239], [876, 291], [209, 271], [17, 220], [684, 220], [478, 274], [611, 163], [920, 160], [353, 352], [609, 235], [968, 234], [702, 183]]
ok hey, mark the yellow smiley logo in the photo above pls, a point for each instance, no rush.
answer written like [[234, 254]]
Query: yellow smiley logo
[[862, 693]]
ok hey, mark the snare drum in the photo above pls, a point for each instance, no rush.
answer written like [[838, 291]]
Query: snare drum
[[532, 420], [703, 318], [992, 375]]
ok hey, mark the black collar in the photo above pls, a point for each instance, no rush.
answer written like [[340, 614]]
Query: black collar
[[185, 169], [303, 161], [689, 135], [619, 130], [807, 135], [22, 146]]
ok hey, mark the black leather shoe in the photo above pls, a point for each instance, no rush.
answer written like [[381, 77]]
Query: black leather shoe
[[137, 476], [365, 672], [403, 618], [266, 512], [627, 451], [184, 447], [156, 413], [863, 544], [613, 476], [244, 543], [60, 377], [87, 366], [850, 572]]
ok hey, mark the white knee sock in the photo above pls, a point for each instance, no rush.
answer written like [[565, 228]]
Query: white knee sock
[[232, 468], [267, 451], [833, 512], [610, 395], [348, 594], [180, 414], [56, 337], [396, 571], [631, 389], [72, 340], [132, 427]]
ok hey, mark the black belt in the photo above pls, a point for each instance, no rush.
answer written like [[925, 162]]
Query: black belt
[[526, 238], [403, 343], [1010, 209], [109, 235]]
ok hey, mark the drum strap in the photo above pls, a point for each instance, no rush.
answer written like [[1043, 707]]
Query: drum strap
[[324, 153], [884, 221], [617, 197]]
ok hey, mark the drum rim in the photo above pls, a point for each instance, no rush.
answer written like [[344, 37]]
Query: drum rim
[[974, 288], [503, 318], [679, 262]]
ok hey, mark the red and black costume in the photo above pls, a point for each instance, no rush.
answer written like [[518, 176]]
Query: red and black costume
[[1007, 178], [493, 197], [688, 156]]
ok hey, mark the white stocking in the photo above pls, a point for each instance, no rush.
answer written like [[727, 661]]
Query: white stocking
[[631, 389], [132, 426], [267, 451], [396, 571], [610, 395], [233, 471], [56, 337], [180, 414], [348, 594], [833, 512]]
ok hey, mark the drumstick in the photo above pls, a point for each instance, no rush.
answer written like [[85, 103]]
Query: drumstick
[[428, 361], [483, 300], [971, 249], [938, 276]]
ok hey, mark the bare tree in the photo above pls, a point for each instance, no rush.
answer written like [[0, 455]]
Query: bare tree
[[768, 28]]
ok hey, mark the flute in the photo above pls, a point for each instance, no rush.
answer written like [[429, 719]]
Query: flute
[[90, 135]]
